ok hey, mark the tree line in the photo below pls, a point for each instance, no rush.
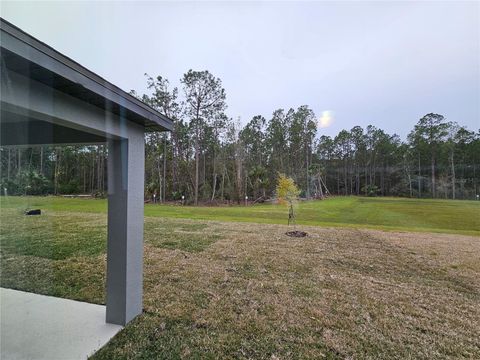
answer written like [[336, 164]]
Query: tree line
[[210, 158]]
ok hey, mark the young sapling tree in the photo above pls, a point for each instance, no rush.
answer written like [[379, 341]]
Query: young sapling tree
[[287, 193]]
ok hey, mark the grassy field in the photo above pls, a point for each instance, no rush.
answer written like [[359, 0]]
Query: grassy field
[[445, 216], [220, 289]]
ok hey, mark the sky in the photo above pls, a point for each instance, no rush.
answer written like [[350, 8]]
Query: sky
[[354, 63]]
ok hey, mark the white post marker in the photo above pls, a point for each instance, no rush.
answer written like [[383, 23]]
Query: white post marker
[[154, 198], [183, 199], [246, 200]]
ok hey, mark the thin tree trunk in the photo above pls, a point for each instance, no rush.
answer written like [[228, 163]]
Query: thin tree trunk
[[104, 157], [56, 171], [239, 182], [175, 154], [30, 160], [382, 179], [238, 165], [338, 181], [410, 184], [374, 182], [474, 179], [164, 167], [92, 175], [320, 186], [214, 186], [307, 150], [357, 179], [433, 177], [351, 179], [214, 169], [19, 165], [419, 177], [366, 179], [84, 178], [41, 160], [246, 185], [327, 192], [204, 181], [197, 149], [98, 168], [159, 173], [407, 173], [223, 183], [8, 165], [453, 175]]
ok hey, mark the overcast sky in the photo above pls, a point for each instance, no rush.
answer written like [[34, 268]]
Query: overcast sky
[[357, 63]]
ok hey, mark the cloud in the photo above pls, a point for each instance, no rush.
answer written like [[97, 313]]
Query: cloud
[[326, 119]]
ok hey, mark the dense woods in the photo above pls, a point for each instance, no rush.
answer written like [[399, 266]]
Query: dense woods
[[209, 157]]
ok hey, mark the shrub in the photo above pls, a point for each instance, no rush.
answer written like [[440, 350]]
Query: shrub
[[371, 190], [28, 182], [72, 187]]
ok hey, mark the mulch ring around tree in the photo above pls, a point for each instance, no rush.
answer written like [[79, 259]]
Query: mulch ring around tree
[[296, 233]]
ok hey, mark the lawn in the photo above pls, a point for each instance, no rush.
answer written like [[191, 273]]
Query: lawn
[[444, 216], [220, 289]]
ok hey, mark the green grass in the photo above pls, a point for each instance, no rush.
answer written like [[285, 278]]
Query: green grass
[[68, 234], [445, 216]]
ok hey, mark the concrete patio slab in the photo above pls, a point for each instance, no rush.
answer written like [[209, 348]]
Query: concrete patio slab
[[36, 326]]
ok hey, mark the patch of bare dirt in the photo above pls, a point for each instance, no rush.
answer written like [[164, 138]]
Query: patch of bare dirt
[[296, 233]]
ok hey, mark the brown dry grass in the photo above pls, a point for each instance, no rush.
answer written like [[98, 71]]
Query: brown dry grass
[[236, 290], [256, 293]]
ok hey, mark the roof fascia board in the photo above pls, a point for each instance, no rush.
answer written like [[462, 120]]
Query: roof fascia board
[[18, 42]]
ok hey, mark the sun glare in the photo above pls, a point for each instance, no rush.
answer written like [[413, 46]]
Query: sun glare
[[326, 119]]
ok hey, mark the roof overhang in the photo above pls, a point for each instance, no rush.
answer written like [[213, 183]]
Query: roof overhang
[[28, 56]]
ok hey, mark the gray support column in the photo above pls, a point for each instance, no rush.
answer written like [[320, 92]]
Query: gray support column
[[125, 228]]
